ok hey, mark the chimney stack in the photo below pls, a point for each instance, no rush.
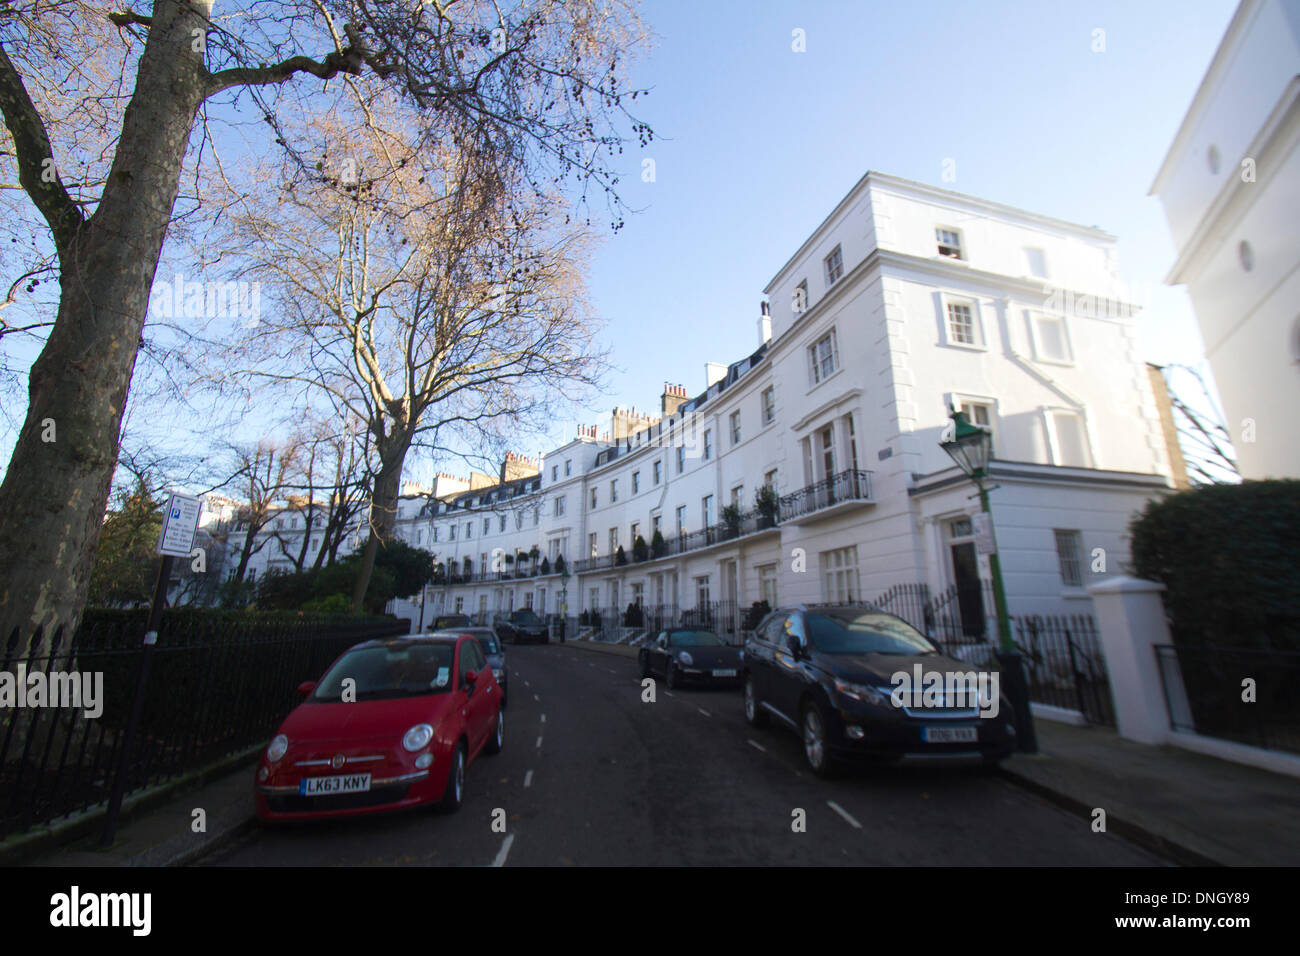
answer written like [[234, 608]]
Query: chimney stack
[[673, 398], [764, 324]]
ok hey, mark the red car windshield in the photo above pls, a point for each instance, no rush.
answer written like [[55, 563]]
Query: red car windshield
[[395, 669]]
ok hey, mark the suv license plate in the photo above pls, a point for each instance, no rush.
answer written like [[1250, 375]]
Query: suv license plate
[[349, 783], [949, 735], [725, 672]]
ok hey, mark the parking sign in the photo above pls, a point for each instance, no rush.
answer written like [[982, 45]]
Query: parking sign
[[180, 522]]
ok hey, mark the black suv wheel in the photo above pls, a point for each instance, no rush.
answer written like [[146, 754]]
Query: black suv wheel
[[816, 748], [755, 715]]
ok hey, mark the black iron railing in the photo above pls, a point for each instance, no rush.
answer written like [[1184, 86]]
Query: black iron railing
[[219, 683], [749, 523], [849, 485]]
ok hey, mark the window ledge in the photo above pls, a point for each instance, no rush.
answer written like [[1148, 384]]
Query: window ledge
[[816, 385]]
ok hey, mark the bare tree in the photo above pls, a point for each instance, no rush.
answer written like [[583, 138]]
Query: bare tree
[[427, 297], [260, 478], [536, 80]]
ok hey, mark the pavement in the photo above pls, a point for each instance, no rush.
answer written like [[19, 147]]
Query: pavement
[[1183, 807]]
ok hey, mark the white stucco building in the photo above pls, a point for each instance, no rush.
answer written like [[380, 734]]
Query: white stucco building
[[907, 299], [1230, 186]]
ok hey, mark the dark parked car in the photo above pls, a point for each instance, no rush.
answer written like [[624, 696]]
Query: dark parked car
[[444, 621], [683, 654], [495, 652], [522, 626], [831, 674]]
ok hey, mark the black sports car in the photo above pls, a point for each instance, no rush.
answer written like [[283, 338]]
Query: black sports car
[[683, 654]]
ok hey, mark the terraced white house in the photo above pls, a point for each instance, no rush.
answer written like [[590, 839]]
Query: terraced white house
[[906, 301]]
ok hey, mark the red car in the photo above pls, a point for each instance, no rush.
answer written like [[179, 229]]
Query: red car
[[392, 724]]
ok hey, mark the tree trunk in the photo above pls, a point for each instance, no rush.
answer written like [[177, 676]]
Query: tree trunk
[[78, 385], [383, 515]]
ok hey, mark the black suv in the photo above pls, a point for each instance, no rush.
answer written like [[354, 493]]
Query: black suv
[[522, 626], [856, 682]]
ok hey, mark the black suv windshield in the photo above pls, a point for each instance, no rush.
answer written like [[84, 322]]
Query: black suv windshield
[[524, 617], [864, 632], [693, 639], [396, 669]]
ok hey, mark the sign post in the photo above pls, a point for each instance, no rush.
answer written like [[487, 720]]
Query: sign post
[[175, 540]]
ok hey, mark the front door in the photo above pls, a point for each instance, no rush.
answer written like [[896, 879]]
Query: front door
[[970, 600]]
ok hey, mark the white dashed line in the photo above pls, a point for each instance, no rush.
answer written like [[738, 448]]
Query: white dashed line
[[504, 851], [669, 693], [535, 697], [528, 779], [757, 746], [703, 711], [844, 813], [539, 740], [543, 718]]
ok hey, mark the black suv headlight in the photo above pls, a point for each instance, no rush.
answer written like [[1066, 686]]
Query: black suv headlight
[[864, 693]]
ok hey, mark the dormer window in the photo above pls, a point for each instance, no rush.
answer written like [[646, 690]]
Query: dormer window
[[949, 242]]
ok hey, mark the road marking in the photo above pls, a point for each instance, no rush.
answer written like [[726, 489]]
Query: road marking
[[504, 851], [539, 740], [543, 718], [844, 813], [526, 684], [535, 697], [757, 746], [703, 711], [528, 779], [669, 693]]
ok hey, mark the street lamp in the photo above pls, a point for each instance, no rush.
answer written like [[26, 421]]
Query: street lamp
[[971, 447]]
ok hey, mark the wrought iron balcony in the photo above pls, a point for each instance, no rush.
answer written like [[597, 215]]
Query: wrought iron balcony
[[749, 523], [846, 488]]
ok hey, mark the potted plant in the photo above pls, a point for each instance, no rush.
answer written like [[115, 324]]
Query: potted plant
[[640, 550], [657, 544], [731, 517], [559, 564], [766, 502], [620, 557], [546, 566]]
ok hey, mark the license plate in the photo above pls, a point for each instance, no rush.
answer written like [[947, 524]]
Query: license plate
[[725, 673], [949, 735], [349, 783]]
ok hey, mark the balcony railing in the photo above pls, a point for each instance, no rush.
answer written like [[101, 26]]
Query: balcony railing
[[846, 486], [748, 523], [487, 577]]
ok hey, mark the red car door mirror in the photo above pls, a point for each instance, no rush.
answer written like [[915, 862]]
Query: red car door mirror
[[471, 677], [306, 687]]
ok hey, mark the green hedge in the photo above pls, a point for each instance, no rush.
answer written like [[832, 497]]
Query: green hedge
[[1229, 556]]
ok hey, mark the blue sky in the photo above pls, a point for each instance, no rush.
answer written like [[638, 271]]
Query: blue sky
[[757, 143]]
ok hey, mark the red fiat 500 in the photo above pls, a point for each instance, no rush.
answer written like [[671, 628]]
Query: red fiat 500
[[392, 724]]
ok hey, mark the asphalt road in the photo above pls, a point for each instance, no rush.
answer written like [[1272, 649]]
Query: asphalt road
[[592, 775]]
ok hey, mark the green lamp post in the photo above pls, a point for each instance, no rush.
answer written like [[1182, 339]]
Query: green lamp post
[[971, 447]]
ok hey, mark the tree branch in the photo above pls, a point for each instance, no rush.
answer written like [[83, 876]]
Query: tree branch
[[35, 157]]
